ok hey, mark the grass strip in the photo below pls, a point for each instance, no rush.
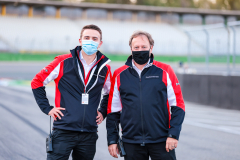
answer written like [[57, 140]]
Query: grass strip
[[114, 57]]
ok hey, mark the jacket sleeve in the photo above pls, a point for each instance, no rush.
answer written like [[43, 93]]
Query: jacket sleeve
[[106, 90], [113, 111], [175, 104], [41, 79]]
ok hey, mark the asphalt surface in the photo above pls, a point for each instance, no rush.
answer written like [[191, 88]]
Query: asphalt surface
[[208, 133]]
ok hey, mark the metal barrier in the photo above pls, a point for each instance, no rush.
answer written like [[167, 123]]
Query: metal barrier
[[225, 58]]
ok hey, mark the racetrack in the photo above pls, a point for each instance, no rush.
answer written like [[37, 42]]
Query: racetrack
[[208, 133]]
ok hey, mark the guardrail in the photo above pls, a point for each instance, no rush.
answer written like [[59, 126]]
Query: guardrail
[[231, 47]]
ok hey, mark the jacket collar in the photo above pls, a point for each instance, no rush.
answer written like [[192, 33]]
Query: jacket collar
[[102, 60]]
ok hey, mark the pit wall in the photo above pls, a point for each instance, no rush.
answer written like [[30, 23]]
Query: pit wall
[[214, 90]]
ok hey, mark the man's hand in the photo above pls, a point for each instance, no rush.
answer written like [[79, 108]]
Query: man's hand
[[113, 150], [171, 144], [99, 118], [56, 112]]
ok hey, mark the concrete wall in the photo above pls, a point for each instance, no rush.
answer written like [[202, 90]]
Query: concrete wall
[[215, 90]]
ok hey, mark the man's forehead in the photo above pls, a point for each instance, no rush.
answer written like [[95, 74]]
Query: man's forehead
[[91, 33], [140, 39]]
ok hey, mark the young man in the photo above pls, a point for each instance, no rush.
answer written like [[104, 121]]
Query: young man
[[79, 77], [145, 97]]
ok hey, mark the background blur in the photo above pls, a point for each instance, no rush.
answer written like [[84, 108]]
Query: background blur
[[198, 38]]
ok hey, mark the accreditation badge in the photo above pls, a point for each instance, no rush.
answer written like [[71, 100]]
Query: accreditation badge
[[85, 98]]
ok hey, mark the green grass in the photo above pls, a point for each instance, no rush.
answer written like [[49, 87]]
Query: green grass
[[118, 57], [50, 57], [113, 57], [26, 57]]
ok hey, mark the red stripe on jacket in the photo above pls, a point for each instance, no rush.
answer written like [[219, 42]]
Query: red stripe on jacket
[[45, 72], [115, 74], [86, 79], [108, 72], [174, 80]]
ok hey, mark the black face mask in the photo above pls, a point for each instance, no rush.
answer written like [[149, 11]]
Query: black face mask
[[140, 57]]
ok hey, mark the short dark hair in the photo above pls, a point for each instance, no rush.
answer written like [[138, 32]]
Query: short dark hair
[[94, 27]]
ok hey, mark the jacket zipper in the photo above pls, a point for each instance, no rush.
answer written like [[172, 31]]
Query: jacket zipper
[[83, 110], [85, 88], [84, 92], [143, 144], [83, 117], [84, 83]]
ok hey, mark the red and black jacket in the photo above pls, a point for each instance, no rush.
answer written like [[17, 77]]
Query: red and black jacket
[[65, 70], [150, 107]]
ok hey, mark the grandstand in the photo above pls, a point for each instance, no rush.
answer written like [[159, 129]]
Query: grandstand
[[60, 35], [50, 26]]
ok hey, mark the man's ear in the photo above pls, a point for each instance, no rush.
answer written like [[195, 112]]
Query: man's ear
[[151, 48], [100, 44], [80, 41]]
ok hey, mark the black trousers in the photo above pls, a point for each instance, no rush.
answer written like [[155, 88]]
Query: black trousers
[[83, 145], [156, 151]]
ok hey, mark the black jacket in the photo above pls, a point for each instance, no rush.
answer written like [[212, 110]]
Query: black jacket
[[150, 107], [65, 70]]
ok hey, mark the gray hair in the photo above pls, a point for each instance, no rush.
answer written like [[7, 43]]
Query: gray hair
[[140, 33]]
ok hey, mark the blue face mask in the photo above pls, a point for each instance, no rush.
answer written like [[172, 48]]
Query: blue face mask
[[89, 47]]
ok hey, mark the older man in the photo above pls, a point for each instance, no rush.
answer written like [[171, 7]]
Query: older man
[[146, 98]]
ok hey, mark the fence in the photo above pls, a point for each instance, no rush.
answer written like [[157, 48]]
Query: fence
[[219, 42]]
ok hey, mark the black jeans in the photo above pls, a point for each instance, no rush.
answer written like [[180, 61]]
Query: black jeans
[[83, 145], [156, 151]]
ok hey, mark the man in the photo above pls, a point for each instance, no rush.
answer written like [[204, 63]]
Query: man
[[145, 97], [79, 77]]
